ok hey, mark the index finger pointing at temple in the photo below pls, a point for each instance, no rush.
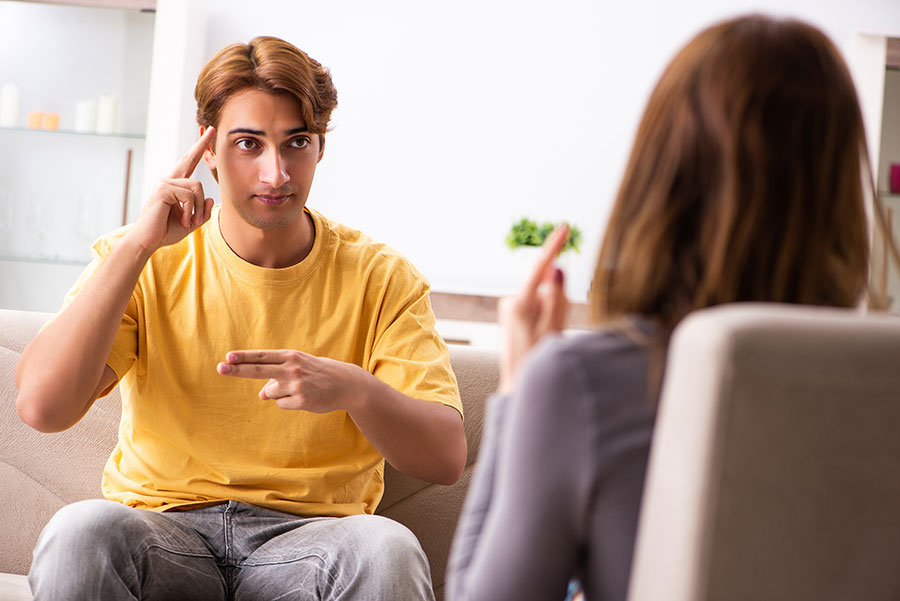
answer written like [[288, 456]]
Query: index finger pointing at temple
[[189, 161]]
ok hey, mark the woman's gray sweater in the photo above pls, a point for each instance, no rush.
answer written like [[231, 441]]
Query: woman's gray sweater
[[557, 488]]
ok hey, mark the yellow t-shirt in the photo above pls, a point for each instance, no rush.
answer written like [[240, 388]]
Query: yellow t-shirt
[[191, 436]]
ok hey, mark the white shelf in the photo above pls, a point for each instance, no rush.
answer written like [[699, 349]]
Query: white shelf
[[60, 189], [66, 132], [42, 260], [146, 5]]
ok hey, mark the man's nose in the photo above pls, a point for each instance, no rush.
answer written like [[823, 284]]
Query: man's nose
[[273, 170]]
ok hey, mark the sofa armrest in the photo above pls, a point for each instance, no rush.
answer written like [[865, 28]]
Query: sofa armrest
[[431, 511], [43, 472]]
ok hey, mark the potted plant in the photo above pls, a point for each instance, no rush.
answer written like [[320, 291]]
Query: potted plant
[[527, 232]]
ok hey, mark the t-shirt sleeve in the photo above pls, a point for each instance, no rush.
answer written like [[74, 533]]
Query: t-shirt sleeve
[[124, 350], [408, 354]]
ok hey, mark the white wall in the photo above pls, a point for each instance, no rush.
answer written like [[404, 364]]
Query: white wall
[[455, 119]]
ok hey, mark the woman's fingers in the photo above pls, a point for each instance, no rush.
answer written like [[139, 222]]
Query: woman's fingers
[[552, 245], [555, 304]]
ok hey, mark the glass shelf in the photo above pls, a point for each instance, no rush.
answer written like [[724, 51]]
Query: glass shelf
[[68, 132], [43, 260]]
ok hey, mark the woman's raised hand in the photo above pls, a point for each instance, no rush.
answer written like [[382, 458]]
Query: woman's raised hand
[[538, 310]]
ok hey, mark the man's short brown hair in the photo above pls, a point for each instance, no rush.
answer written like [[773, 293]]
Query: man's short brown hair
[[271, 65]]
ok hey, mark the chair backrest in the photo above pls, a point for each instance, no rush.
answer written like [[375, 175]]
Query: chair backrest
[[775, 466]]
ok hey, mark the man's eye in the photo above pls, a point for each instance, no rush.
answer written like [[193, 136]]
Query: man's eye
[[300, 142], [246, 144]]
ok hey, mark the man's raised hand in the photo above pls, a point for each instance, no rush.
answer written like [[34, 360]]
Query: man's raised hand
[[177, 206]]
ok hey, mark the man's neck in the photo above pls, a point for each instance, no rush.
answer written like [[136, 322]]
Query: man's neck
[[276, 248]]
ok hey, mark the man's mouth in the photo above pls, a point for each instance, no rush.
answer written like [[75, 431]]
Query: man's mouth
[[273, 199]]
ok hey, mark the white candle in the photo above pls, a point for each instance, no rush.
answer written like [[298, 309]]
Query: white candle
[[106, 114], [9, 105], [86, 116]]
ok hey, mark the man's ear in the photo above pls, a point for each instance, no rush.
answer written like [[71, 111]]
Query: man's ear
[[321, 147], [209, 157]]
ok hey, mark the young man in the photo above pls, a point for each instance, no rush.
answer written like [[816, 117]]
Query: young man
[[269, 361]]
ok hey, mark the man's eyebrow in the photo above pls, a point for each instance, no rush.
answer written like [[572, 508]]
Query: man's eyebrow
[[244, 130], [258, 132]]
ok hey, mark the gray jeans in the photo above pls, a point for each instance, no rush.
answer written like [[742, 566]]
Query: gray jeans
[[232, 551]]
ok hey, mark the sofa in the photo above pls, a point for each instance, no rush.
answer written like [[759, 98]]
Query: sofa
[[40, 473]]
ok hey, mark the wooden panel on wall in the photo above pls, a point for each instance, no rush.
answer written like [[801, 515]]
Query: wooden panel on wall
[[471, 307]]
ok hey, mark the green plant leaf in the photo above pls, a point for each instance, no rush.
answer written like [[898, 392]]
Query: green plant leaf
[[527, 232]]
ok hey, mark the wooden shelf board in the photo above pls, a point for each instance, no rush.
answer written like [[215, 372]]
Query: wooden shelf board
[[478, 308]]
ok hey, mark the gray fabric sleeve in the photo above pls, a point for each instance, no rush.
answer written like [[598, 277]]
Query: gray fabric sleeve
[[523, 520]]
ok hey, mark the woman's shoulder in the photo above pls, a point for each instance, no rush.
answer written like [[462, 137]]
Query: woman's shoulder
[[603, 346], [605, 369]]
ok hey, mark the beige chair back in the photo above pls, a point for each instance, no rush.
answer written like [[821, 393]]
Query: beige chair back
[[775, 467]]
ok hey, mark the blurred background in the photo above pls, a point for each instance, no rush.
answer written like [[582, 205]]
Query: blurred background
[[455, 120]]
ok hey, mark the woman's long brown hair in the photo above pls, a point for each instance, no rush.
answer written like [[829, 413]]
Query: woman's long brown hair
[[747, 180]]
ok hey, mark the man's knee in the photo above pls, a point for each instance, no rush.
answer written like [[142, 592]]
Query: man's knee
[[387, 542], [394, 563], [104, 550], [77, 546], [88, 524]]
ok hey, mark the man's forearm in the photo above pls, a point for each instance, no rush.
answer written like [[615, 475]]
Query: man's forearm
[[420, 438], [423, 439], [62, 368]]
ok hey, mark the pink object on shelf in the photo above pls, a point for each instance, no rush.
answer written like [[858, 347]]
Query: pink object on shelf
[[895, 178]]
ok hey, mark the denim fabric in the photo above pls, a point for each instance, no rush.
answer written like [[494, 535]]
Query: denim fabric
[[228, 552]]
